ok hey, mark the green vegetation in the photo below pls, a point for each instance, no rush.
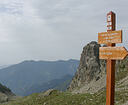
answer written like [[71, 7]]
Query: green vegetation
[[67, 98], [61, 98], [122, 70]]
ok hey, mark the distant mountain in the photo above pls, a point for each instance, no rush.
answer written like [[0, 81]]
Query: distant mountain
[[59, 84], [4, 66], [21, 77]]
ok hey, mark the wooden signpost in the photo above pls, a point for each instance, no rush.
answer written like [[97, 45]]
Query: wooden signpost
[[110, 37], [111, 53]]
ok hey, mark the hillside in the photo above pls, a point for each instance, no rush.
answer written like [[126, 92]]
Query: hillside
[[59, 84], [87, 86], [23, 77], [54, 97]]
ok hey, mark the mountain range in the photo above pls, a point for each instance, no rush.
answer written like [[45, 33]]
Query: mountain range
[[87, 86], [36, 76]]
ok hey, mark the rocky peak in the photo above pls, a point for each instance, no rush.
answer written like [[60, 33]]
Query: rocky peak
[[91, 73], [90, 66], [89, 55]]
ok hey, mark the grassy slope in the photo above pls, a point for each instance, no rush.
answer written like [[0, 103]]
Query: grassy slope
[[66, 98], [61, 98]]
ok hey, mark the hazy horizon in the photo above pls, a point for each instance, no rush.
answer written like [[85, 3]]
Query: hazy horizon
[[29, 60]]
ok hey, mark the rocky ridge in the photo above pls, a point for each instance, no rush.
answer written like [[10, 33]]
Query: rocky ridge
[[90, 76], [91, 73]]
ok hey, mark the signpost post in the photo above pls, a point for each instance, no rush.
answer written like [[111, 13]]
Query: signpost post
[[111, 53]]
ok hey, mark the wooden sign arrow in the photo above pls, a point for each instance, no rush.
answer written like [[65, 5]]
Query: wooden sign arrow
[[113, 53], [110, 37]]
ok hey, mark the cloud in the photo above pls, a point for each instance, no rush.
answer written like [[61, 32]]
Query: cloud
[[53, 29], [11, 6]]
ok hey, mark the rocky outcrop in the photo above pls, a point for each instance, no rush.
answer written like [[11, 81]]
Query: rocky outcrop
[[91, 73], [90, 67], [5, 94]]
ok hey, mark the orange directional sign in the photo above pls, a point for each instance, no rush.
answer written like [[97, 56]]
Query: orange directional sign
[[110, 37], [113, 53]]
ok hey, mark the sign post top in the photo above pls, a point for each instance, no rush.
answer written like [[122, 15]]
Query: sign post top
[[111, 21], [110, 13]]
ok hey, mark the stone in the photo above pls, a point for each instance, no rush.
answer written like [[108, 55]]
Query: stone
[[90, 67], [3, 98]]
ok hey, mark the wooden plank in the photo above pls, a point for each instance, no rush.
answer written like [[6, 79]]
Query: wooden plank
[[113, 53], [110, 37]]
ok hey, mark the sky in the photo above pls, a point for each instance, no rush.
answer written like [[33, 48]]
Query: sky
[[54, 29]]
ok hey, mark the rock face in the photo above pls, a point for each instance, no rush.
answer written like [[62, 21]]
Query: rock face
[[5, 94], [91, 73], [90, 69]]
